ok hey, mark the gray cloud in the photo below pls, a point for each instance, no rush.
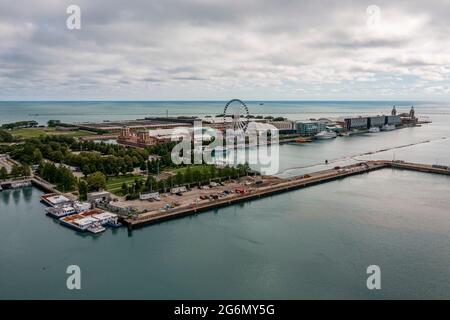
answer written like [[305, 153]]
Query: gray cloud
[[286, 49]]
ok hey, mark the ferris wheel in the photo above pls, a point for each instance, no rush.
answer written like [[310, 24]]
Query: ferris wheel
[[238, 112]]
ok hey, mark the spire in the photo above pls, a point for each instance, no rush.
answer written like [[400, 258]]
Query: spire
[[412, 112], [394, 111]]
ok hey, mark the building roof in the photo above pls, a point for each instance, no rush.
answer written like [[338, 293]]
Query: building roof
[[85, 221], [104, 215], [57, 199]]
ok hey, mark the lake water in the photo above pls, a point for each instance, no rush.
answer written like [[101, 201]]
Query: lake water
[[310, 243]]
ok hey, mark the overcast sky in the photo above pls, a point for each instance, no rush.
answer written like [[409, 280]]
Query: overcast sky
[[205, 49]]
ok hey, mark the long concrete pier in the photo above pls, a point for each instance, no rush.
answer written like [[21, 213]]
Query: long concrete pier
[[283, 186]]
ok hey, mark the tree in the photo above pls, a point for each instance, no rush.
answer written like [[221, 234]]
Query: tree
[[82, 190], [66, 181], [6, 136], [188, 177], [196, 176], [3, 173], [16, 171], [96, 181], [124, 188], [179, 178], [53, 123], [150, 184], [37, 156]]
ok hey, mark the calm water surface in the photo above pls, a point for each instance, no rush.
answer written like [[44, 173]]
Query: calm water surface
[[311, 243]]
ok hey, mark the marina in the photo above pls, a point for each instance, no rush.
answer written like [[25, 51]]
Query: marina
[[281, 186]]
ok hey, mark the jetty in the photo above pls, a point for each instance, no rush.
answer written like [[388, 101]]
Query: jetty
[[284, 185]]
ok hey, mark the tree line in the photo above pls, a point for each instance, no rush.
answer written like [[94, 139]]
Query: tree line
[[189, 177]]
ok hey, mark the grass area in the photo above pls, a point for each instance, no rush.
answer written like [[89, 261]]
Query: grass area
[[201, 168], [36, 132], [114, 184]]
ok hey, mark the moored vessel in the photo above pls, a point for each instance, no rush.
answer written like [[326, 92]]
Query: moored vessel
[[324, 135]]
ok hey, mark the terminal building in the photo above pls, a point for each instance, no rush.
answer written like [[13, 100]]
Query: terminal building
[[364, 123], [359, 123], [377, 121], [310, 127]]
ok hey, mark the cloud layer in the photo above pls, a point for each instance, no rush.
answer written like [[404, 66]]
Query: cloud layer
[[204, 49]]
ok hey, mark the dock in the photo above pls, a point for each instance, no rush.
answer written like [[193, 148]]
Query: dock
[[285, 185]]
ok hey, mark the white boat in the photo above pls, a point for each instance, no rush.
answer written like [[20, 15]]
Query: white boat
[[374, 130], [96, 228], [323, 135], [388, 127], [60, 212]]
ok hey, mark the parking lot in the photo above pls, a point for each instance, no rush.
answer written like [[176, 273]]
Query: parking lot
[[197, 195]]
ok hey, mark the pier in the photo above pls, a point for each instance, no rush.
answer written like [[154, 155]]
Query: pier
[[283, 186], [28, 181]]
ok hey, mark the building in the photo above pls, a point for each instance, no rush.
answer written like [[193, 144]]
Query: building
[[115, 127], [310, 127], [283, 125], [393, 120], [377, 121], [141, 139], [409, 119], [120, 207], [100, 196], [359, 123]]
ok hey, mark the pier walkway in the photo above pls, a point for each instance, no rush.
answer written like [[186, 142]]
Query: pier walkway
[[283, 186]]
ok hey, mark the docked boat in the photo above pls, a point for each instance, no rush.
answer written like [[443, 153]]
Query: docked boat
[[96, 228], [374, 130], [113, 224], [18, 185], [60, 212], [90, 220], [55, 200], [324, 135], [388, 127], [303, 139]]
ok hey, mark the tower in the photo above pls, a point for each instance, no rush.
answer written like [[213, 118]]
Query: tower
[[412, 112], [394, 111]]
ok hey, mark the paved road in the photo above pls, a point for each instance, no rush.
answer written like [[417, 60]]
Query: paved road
[[4, 163]]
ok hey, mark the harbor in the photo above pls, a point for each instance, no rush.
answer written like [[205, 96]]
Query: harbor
[[281, 186]]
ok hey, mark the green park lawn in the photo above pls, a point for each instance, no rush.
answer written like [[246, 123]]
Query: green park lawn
[[114, 184], [36, 132], [201, 168]]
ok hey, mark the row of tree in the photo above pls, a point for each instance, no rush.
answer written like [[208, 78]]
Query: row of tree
[[190, 176], [91, 157], [5, 136], [61, 176]]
